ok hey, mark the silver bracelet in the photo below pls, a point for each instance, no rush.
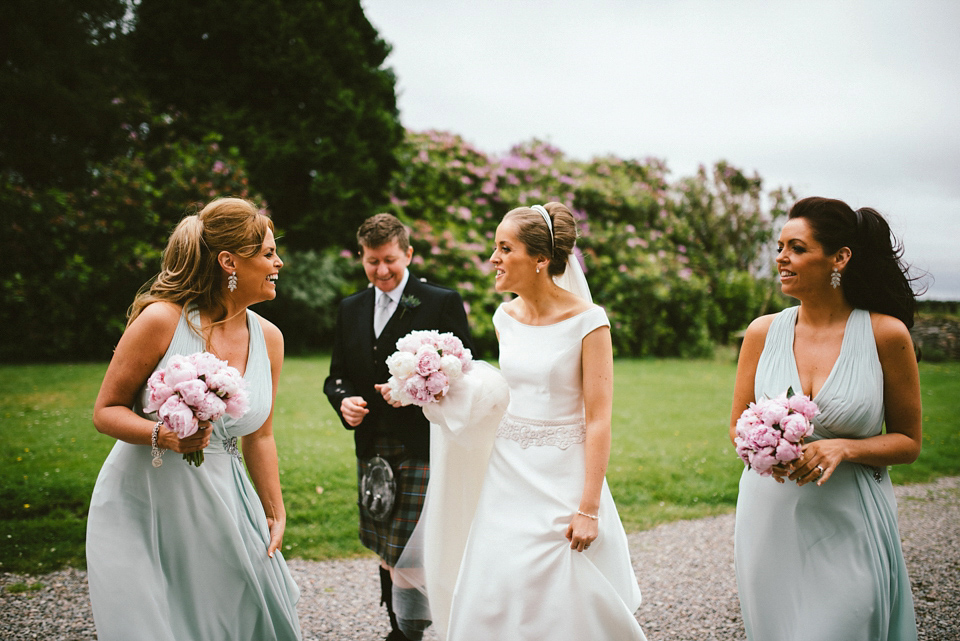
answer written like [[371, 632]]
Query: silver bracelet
[[595, 517], [155, 449]]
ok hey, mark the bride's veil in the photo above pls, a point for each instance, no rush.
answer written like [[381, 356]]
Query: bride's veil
[[572, 279], [463, 427]]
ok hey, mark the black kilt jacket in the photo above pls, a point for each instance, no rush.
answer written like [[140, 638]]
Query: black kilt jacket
[[358, 361]]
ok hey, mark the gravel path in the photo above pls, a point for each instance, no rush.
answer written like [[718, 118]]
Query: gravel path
[[685, 571]]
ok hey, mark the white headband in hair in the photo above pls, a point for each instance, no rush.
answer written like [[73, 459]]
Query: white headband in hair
[[543, 212]]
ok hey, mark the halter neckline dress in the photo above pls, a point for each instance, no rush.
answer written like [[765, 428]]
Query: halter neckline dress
[[180, 552], [824, 562]]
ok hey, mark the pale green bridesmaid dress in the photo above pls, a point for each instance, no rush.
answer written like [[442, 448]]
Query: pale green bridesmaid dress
[[824, 563], [178, 552]]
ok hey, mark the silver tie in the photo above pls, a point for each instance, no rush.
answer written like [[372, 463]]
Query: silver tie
[[382, 314]]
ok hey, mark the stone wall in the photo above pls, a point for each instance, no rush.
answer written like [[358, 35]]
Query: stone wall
[[938, 337]]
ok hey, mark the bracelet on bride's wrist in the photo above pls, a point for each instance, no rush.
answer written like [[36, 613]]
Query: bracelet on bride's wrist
[[595, 517], [155, 450]]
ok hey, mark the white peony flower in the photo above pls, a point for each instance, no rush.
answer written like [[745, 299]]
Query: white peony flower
[[401, 364], [398, 391], [451, 366]]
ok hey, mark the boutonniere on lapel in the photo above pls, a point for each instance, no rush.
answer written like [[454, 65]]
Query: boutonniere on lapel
[[408, 302]]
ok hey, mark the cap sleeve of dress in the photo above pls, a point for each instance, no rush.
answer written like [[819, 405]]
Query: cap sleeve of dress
[[592, 319]]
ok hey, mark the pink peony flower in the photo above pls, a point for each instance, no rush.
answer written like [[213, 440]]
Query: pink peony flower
[[763, 436], [416, 388], [226, 382], [763, 460], [192, 392], [787, 451], [158, 390], [803, 404], [178, 370], [209, 408], [449, 345], [206, 363], [178, 416], [428, 360], [747, 422], [772, 413], [796, 427], [437, 383], [237, 404]]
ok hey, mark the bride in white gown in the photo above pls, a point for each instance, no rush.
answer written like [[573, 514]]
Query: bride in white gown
[[546, 556]]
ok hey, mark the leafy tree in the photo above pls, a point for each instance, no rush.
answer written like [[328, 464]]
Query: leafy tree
[[297, 85], [75, 258], [727, 218], [61, 66]]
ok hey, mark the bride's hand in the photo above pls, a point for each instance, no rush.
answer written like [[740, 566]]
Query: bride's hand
[[581, 532]]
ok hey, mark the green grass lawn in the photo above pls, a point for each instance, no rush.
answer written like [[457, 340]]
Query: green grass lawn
[[671, 458]]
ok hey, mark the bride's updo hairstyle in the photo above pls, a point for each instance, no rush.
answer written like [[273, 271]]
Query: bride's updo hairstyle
[[875, 277], [533, 232], [189, 270]]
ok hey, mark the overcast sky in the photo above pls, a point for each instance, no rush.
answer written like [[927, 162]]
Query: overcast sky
[[847, 99]]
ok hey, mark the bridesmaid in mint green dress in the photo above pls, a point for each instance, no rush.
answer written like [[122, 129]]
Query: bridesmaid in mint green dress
[[817, 549], [177, 552]]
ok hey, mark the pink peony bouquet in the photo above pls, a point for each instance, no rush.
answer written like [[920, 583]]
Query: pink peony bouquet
[[194, 388], [424, 365], [771, 431]]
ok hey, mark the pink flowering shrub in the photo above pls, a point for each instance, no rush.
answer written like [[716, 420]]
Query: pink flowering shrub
[[679, 265]]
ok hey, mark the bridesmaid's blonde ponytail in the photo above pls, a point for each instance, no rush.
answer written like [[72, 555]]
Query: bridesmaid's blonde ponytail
[[190, 273]]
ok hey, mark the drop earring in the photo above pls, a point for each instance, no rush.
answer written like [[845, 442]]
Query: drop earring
[[835, 278], [232, 281]]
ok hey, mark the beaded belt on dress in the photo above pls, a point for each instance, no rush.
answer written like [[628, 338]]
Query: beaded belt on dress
[[560, 433], [229, 447]]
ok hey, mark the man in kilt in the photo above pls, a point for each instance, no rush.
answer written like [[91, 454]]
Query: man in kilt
[[392, 443]]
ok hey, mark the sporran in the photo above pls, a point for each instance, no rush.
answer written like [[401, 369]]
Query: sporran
[[378, 489]]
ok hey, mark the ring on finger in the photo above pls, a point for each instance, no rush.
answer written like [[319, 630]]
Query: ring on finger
[[820, 468]]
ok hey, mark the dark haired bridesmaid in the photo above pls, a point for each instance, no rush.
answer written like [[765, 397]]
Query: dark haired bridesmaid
[[817, 547]]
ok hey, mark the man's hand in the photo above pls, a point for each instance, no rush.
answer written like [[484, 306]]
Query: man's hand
[[384, 389], [353, 409]]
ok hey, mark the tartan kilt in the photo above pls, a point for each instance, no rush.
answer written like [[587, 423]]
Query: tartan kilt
[[387, 538]]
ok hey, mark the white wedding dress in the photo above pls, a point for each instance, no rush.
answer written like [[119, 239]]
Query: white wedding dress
[[517, 578]]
